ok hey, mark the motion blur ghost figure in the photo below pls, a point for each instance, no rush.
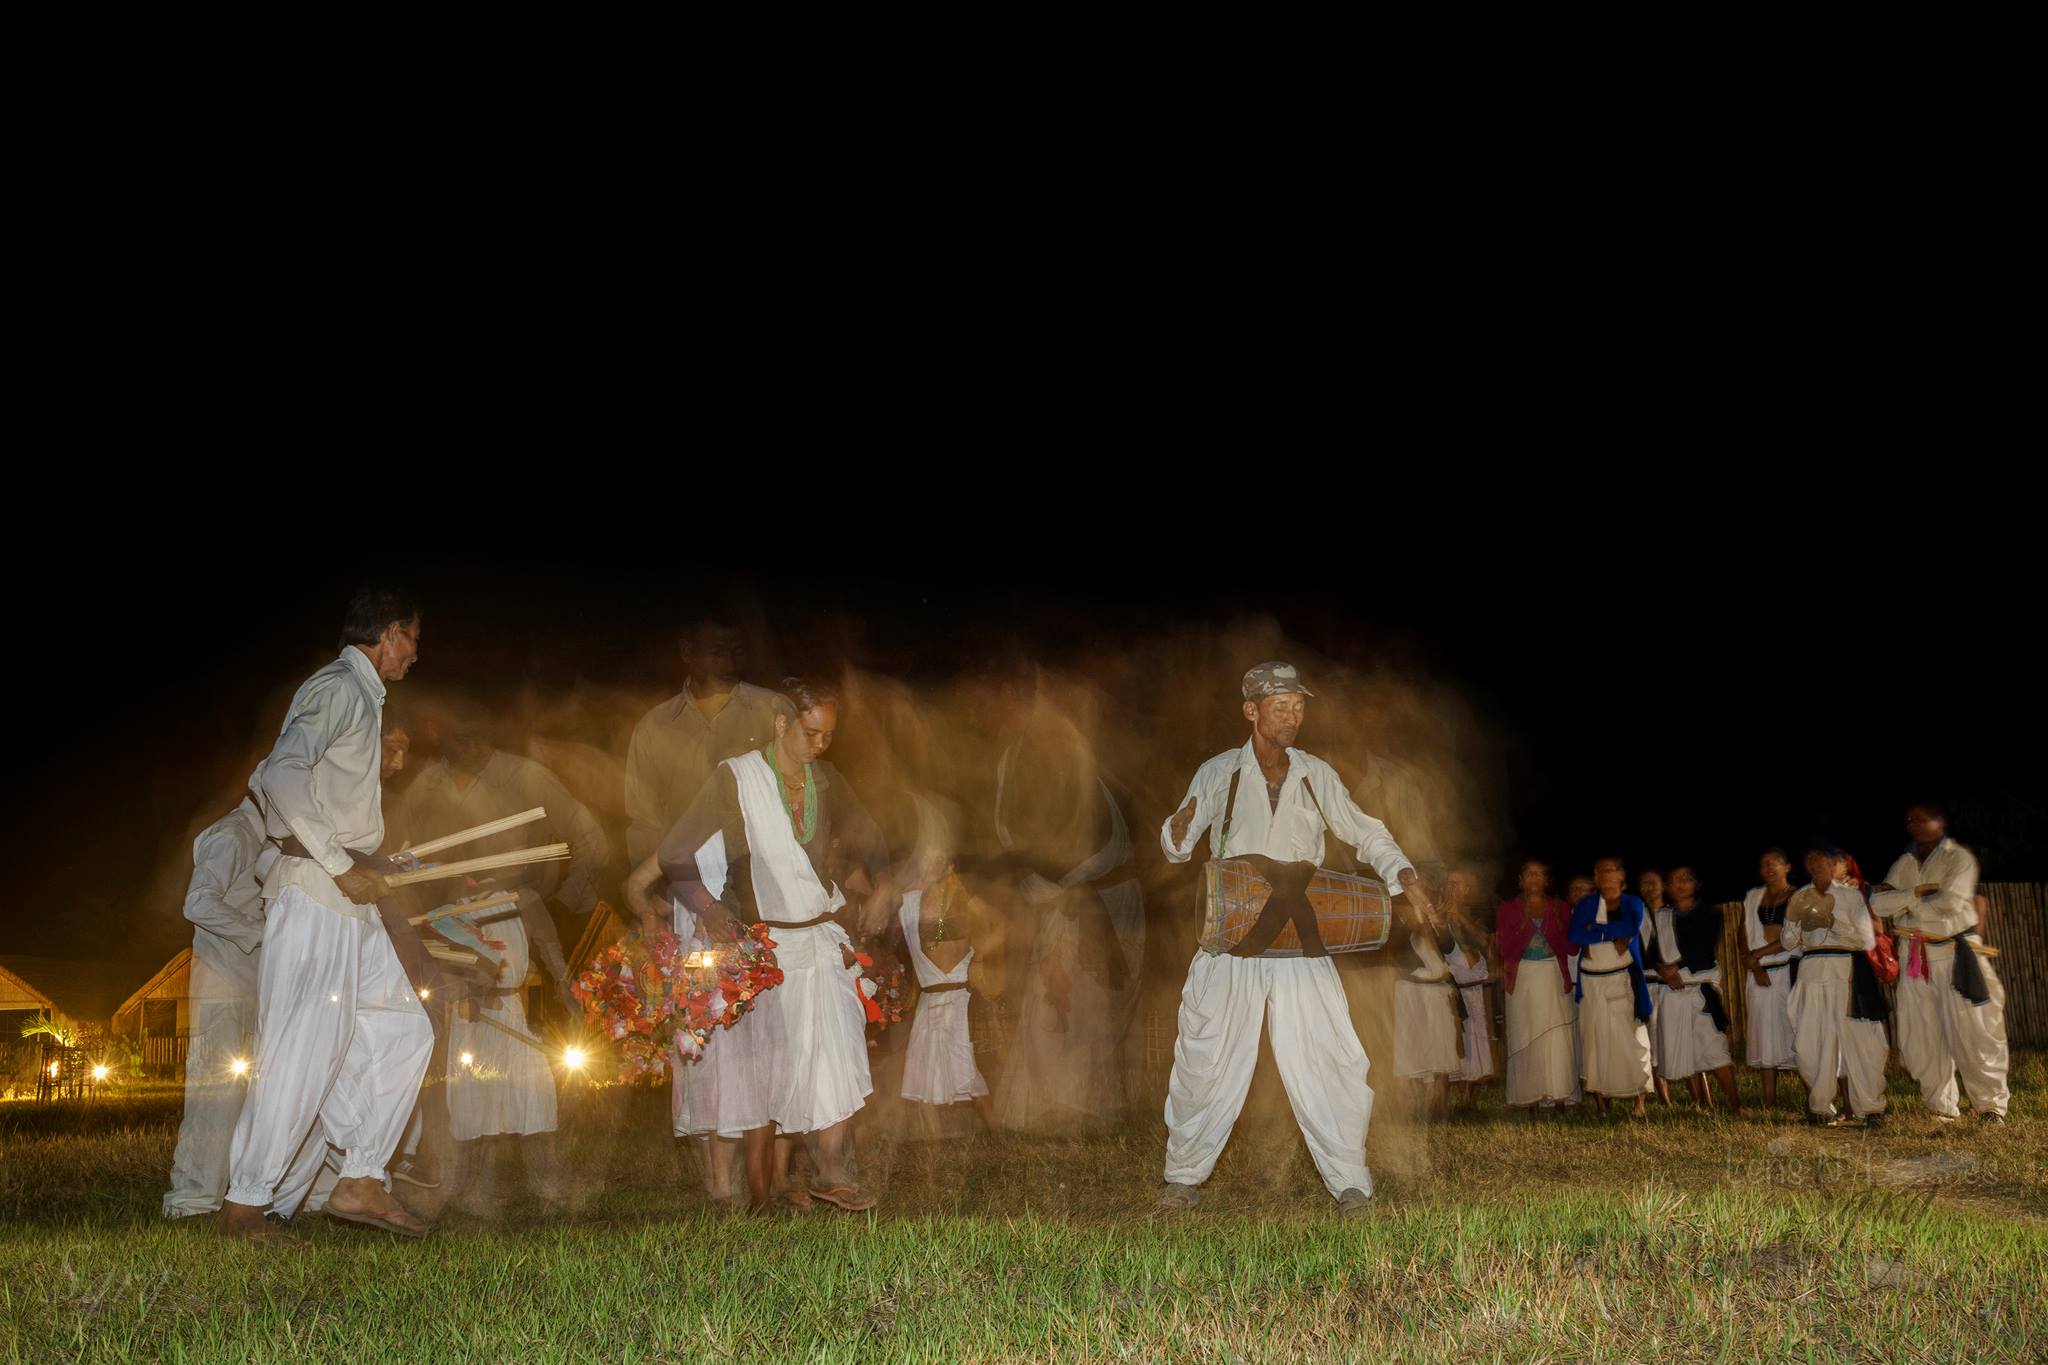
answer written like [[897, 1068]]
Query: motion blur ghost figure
[[1080, 936], [224, 904], [676, 745]]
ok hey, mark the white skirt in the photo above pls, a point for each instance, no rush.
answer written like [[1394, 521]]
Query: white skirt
[[727, 1091], [507, 1086], [1614, 1045], [1543, 1037], [1656, 1034], [1425, 1030], [1478, 1035], [938, 1064], [819, 1075], [1769, 1020], [1691, 1043]]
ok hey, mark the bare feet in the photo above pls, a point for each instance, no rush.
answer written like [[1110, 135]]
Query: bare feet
[[247, 1223], [363, 1199]]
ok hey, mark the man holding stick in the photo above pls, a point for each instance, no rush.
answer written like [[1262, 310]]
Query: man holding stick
[[343, 1039]]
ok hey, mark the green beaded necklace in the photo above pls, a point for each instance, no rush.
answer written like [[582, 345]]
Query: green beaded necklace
[[810, 796]]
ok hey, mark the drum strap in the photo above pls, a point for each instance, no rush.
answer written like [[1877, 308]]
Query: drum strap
[[1288, 901], [1230, 808]]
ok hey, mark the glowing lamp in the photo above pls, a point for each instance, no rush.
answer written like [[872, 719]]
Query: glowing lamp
[[99, 1072], [240, 1066], [469, 1059], [573, 1058]]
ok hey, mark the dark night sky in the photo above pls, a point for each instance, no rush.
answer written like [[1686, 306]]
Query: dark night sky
[[1697, 681]]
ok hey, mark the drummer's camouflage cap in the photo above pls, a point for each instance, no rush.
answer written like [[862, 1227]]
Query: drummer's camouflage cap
[[1271, 678]]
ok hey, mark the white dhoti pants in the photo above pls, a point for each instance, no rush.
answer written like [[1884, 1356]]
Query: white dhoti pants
[[342, 1044], [819, 1076], [1768, 1021], [1316, 1049], [223, 993], [311, 1177], [1691, 1043], [1425, 1030], [1542, 1037], [1830, 1045], [1943, 1036], [1614, 1045]]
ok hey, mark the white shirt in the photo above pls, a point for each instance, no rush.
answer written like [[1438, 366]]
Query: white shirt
[[228, 858], [320, 782], [1948, 911], [1292, 833], [1851, 929]]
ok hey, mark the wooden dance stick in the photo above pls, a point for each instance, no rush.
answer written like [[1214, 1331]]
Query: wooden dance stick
[[519, 857], [483, 831], [490, 902]]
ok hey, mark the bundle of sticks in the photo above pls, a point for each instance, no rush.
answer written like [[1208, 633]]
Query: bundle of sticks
[[410, 870], [448, 961]]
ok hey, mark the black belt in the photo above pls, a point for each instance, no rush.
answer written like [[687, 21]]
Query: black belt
[[944, 986], [290, 847], [804, 924], [1588, 971]]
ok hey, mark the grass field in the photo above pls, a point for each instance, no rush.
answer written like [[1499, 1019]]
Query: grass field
[[1686, 1238]]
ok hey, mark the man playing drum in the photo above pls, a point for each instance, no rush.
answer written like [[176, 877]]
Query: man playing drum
[[1273, 802]]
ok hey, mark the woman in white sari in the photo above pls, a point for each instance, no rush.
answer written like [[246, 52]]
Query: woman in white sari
[[782, 812]]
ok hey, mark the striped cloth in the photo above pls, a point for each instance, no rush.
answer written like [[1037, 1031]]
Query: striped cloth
[[1353, 914]]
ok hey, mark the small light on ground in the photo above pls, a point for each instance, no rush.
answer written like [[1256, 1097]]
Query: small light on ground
[[469, 1059], [240, 1066], [99, 1072], [573, 1058]]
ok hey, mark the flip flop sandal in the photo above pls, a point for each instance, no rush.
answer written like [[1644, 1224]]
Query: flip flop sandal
[[852, 1198], [416, 1231]]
